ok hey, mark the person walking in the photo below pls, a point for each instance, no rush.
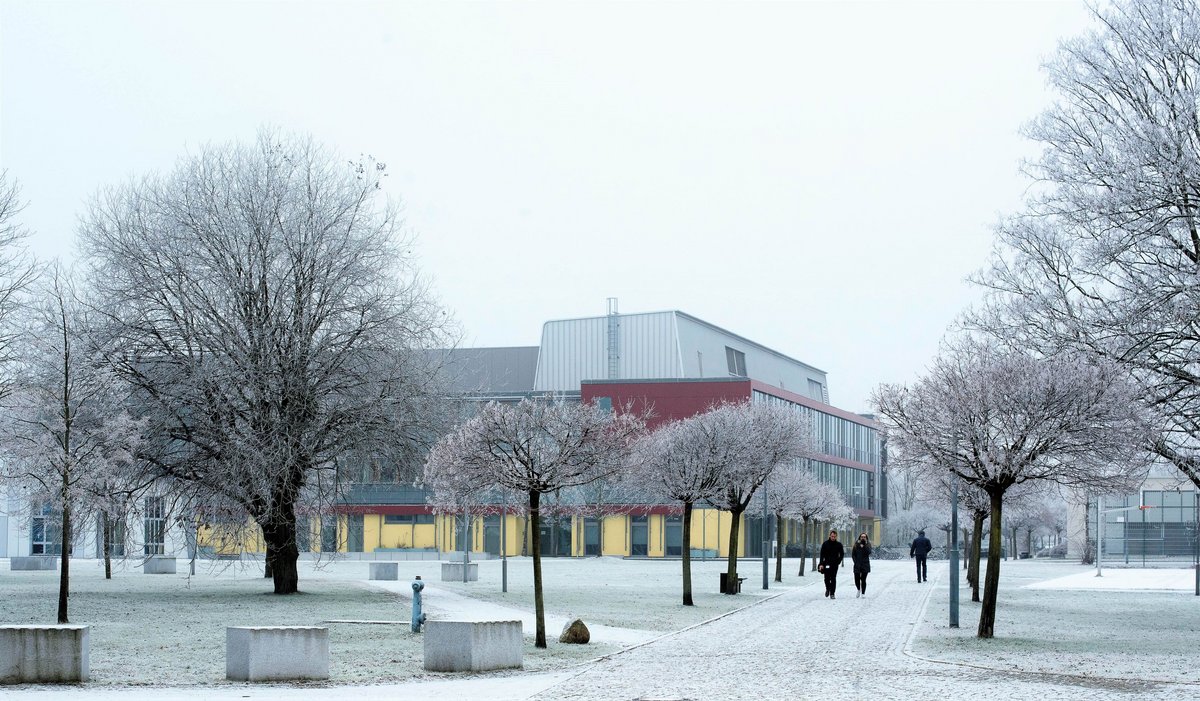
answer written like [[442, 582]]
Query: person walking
[[920, 550], [832, 554], [860, 554]]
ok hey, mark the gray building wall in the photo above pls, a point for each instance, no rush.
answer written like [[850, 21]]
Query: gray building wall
[[661, 345]]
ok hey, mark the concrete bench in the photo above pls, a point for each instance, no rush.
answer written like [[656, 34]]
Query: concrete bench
[[34, 562], [43, 654], [256, 654], [473, 646], [157, 564], [453, 572], [389, 571]]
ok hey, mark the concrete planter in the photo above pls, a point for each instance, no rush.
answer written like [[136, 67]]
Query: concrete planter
[[258, 654], [473, 646], [385, 571], [157, 564], [34, 562], [55, 654], [453, 572]]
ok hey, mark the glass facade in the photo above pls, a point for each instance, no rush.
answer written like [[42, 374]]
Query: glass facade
[[1164, 531], [841, 438]]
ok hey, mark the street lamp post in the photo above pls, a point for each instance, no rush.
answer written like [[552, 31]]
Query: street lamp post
[[766, 542], [504, 547], [954, 554]]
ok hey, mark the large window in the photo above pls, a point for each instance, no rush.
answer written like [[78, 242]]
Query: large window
[[155, 525], [45, 533], [737, 362]]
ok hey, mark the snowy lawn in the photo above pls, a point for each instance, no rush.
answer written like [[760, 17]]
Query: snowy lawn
[[1047, 622], [643, 595], [170, 629]]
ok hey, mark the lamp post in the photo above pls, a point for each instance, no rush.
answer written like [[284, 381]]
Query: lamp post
[[954, 554], [766, 542], [504, 546]]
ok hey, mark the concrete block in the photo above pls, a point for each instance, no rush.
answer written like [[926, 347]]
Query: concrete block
[[34, 562], [256, 654], [388, 571], [46, 654], [157, 564], [473, 646], [457, 556], [453, 572]]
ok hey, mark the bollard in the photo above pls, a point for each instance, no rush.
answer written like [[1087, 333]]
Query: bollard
[[418, 618]]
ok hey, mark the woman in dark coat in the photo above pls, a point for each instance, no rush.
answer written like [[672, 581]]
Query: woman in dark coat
[[832, 554], [861, 555]]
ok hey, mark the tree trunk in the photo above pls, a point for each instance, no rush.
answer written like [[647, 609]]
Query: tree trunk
[[535, 533], [778, 547], [816, 553], [279, 533], [973, 559], [268, 559], [735, 529], [686, 552], [987, 616], [106, 540], [803, 545], [64, 576]]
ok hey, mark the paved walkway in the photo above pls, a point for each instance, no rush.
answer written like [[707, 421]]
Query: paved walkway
[[801, 645]]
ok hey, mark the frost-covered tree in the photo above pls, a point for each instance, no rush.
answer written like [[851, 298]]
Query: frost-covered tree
[[17, 272], [65, 436], [764, 437], [536, 447], [684, 461], [1104, 258], [795, 492], [261, 301], [997, 419]]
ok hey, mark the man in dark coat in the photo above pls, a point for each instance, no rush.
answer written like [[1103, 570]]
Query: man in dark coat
[[832, 554], [920, 550]]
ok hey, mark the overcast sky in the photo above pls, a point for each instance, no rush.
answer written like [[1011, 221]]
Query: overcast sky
[[817, 177]]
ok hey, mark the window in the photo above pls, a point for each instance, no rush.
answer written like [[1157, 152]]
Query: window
[[407, 519], [737, 362], [46, 531], [156, 526], [816, 391]]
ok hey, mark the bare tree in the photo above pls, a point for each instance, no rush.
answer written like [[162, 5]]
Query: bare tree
[[764, 436], [998, 419], [65, 432], [536, 447], [684, 461], [17, 272], [262, 303], [1103, 259]]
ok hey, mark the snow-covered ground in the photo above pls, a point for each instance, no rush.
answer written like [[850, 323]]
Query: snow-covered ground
[[789, 642], [1114, 579]]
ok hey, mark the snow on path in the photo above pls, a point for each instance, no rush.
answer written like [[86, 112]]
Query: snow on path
[[801, 645], [442, 603]]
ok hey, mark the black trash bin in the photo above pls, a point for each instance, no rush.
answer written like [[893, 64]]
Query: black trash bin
[[737, 584]]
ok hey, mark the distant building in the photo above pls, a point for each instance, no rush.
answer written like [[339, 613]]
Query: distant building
[[679, 364]]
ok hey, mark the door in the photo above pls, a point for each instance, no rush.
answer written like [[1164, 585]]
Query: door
[[354, 539], [591, 537], [639, 532], [491, 535], [674, 536]]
